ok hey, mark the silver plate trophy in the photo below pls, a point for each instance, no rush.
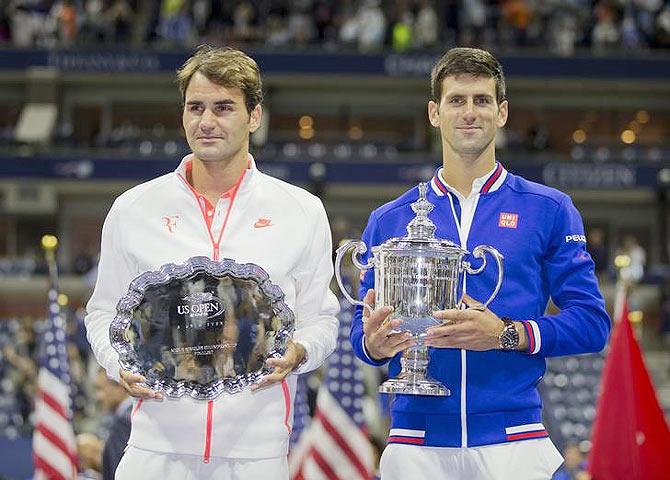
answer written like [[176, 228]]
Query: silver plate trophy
[[416, 275], [201, 328]]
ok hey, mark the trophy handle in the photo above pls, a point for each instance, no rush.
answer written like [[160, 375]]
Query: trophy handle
[[480, 252], [359, 248]]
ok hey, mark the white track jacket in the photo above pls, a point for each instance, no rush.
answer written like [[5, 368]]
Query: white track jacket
[[262, 220]]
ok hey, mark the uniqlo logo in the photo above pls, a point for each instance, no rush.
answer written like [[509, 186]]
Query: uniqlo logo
[[508, 220]]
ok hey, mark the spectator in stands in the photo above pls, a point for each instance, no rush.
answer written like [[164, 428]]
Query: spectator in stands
[[120, 17], [175, 26], [426, 28], [597, 248], [401, 31], [89, 452], [244, 17], [300, 24], [117, 406], [637, 255], [64, 14], [574, 467], [370, 26], [473, 28], [558, 26], [490, 358], [606, 35], [94, 25]]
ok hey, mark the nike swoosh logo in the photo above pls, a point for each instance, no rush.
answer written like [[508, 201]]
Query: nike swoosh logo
[[263, 222]]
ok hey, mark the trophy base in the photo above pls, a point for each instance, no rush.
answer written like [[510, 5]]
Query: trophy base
[[414, 386]]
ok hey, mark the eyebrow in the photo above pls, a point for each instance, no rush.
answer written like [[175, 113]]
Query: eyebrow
[[459, 94], [218, 102]]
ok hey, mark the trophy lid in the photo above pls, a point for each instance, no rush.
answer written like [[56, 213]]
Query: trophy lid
[[421, 232]]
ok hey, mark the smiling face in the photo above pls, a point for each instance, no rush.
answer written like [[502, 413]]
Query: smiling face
[[468, 117], [216, 121]]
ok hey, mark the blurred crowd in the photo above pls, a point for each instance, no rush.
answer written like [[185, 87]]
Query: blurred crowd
[[561, 27], [19, 353]]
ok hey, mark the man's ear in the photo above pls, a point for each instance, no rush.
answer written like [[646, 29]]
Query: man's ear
[[503, 112], [434, 113], [255, 118]]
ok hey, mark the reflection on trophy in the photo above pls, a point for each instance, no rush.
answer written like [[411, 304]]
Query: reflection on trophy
[[416, 275], [201, 328]]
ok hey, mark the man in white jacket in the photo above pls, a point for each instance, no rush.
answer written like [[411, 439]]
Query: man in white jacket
[[217, 204]]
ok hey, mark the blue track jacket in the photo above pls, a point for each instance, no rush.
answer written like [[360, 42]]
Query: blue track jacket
[[494, 396]]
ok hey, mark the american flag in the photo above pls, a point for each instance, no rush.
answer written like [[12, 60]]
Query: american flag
[[336, 444], [54, 448], [301, 416]]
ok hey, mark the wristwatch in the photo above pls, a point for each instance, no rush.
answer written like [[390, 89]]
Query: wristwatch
[[509, 337]]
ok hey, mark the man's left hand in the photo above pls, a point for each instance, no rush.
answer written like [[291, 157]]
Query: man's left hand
[[295, 354], [475, 328]]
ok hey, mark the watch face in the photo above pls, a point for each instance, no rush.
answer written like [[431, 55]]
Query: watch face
[[509, 338]]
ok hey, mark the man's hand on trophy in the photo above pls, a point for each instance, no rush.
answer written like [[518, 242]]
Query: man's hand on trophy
[[475, 328], [134, 385], [381, 342], [292, 359]]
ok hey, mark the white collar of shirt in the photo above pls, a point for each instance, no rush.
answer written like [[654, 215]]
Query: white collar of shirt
[[440, 186], [181, 169]]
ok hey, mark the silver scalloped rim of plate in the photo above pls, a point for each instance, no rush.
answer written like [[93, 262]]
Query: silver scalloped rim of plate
[[171, 271]]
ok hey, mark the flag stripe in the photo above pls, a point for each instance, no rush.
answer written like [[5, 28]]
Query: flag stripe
[[346, 426], [519, 436], [342, 443], [52, 403], [57, 442], [323, 464], [46, 415], [46, 469], [336, 444], [54, 449], [331, 452], [49, 382], [54, 456]]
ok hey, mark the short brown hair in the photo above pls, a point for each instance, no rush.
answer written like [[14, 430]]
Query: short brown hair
[[473, 61], [227, 67]]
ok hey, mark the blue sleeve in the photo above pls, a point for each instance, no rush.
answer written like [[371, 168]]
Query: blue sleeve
[[371, 237], [582, 325]]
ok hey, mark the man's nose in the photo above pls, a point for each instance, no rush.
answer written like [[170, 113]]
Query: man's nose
[[206, 120], [469, 110]]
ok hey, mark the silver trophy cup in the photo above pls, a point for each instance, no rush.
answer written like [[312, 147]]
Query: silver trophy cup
[[416, 275]]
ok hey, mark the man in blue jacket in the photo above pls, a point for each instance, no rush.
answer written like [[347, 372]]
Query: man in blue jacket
[[490, 427]]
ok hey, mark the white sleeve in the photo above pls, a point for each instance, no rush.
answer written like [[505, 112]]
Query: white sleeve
[[115, 272], [316, 306]]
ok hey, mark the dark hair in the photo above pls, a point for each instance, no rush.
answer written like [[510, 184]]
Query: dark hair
[[227, 67], [473, 61]]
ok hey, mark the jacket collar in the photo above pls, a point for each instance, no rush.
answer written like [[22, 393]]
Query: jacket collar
[[490, 182]]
